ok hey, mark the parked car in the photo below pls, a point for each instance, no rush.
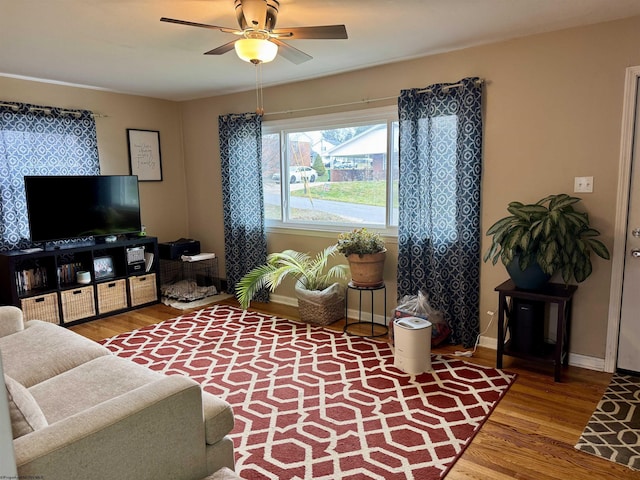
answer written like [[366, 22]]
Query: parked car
[[297, 174]]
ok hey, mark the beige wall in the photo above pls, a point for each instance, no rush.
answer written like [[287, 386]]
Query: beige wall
[[163, 204], [553, 108]]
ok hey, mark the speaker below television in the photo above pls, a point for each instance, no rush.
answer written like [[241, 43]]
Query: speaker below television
[[526, 327]]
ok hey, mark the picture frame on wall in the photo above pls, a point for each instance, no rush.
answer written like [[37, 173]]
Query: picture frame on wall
[[145, 159]]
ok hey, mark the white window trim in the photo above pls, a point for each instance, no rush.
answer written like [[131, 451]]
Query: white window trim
[[332, 120]]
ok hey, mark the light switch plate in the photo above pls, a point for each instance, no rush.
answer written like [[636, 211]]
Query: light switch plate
[[583, 185]]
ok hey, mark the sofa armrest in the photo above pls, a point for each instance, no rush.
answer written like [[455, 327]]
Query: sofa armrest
[[10, 320], [218, 418], [153, 432]]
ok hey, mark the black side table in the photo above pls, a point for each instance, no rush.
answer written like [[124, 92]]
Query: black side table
[[557, 293], [383, 329]]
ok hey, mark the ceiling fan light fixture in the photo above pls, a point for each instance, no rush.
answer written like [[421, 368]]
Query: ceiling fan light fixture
[[256, 50]]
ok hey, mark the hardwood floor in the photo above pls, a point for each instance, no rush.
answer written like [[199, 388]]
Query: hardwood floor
[[530, 435]]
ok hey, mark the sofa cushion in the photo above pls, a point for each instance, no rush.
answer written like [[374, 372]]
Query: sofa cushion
[[90, 384], [43, 350], [26, 415]]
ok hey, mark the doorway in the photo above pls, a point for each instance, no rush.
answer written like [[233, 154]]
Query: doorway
[[623, 333]]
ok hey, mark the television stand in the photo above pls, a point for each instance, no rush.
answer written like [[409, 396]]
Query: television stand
[[44, 283]]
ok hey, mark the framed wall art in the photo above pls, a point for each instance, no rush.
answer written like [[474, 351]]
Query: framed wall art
[[103, 268], [144, 154]]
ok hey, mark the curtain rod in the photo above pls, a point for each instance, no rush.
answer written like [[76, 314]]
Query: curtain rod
[[446, 88], [371, 100], [47, 111], [239, 115], [358, 102]]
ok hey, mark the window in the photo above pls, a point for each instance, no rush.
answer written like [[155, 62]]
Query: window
[[333, 171]]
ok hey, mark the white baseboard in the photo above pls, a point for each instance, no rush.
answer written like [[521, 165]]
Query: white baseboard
[[575, 359], [290, 301], [583, 361], [353, 314]]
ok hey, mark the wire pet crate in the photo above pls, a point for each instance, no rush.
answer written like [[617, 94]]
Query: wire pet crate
[[189, 281]]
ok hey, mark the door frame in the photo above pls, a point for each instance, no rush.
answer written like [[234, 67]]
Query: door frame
[[632, 76]]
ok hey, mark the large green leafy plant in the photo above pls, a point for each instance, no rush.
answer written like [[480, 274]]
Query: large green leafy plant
[[311, 272], [550, 232]]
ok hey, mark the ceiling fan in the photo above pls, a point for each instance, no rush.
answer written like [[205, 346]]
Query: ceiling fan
[[260, 39]]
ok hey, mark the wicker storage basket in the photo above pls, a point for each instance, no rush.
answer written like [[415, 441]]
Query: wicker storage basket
[[42, 307], [321, 307], [77, 304], [112, 296], [143, 289]]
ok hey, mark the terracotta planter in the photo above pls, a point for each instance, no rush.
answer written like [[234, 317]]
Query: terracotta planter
[[367, 270]]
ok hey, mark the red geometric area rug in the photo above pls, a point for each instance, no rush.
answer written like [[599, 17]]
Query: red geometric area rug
[[311, 403]]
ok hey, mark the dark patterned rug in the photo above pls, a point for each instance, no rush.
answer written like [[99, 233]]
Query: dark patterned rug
[[613, 431]]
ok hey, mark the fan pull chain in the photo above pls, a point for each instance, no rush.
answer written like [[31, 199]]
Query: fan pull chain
[[259, 96]]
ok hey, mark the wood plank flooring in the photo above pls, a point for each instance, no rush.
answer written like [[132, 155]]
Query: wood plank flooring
[[530, 435]]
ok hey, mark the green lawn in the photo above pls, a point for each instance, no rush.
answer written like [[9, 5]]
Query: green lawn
[[272, 212], [364, 193]]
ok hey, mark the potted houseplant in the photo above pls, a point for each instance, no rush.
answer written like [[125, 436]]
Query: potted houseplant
[[366, 253], [543, 238], [320, 297]]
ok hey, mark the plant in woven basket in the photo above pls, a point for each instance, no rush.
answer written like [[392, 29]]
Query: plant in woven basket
[[312, 273]]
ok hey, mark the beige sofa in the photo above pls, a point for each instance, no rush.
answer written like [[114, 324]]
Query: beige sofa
[[79, 412]]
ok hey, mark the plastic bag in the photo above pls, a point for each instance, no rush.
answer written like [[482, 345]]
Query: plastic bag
[[418, 306], [332, 294], [321, 307]]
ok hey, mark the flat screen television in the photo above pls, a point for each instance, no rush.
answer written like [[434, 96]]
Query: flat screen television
[[67, 207]]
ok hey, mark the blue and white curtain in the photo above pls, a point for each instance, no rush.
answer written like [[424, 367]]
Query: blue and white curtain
[[37, 140], [439, 218], [245, 238]]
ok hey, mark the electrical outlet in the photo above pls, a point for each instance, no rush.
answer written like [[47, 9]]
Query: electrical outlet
[[583, 185]]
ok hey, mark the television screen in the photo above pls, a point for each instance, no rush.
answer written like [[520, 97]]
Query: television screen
[[64, 207]]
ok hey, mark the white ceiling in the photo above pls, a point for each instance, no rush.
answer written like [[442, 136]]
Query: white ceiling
[[120, 45]]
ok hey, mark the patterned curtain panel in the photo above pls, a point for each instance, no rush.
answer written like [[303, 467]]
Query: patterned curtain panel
[[245, 239], [439, 217], [36, 140]]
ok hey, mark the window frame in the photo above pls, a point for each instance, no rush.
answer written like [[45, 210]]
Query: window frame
[[387, 115]]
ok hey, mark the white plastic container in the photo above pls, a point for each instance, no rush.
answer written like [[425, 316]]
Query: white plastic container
[[412, 345]]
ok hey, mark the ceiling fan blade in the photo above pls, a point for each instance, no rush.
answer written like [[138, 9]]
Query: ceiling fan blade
[[222, 49], [291, 53], [201, 25], [327, 32]]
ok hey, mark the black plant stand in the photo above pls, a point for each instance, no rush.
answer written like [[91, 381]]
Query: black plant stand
[[560, 294], [383, 329]]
